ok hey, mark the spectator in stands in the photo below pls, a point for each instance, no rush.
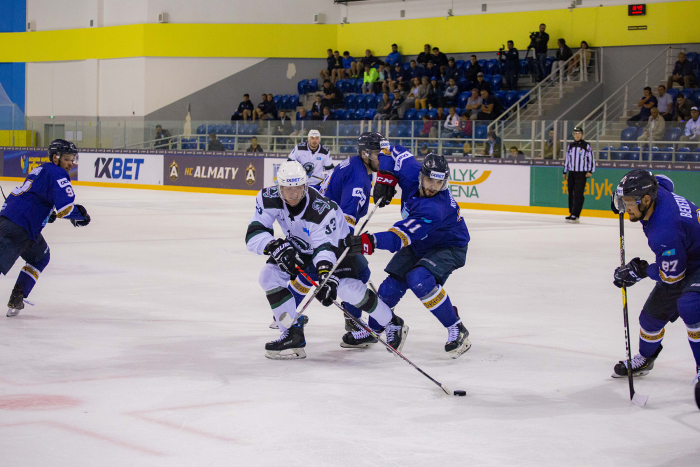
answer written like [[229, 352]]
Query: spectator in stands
[[474, 69], [551, 146], [433, 94], [563, 55], [327, 125], [432, 71], [645, 104], [162, 138], [371, 76], [683, 108], [369, 60], [682, 73], [439, 59], [441, 115], [452, 72], [415, 71], [214, 143], [489, 106], [397, 75], [541, 39], [515, 154], [655, 128], [382, 84], [283, 126], [451, 95], [331, 95], [481, 83], [451, 124], [383, 108], [425, 56], [245, 109], [396, 104], [465, 126], [394, 58], [254, 147], [692, 127], [327, 72], [338, 69], [665, 103], [262, 109], [272, 106], [422, 94], [510, 60], [350, 65], [317, 108], [576, 62], [467, 149], [492, 146], [474, 104], [410, 97], [302, 126], [427, 126], [424, 150]]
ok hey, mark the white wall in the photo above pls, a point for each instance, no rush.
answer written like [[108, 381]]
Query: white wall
[[125, 87]]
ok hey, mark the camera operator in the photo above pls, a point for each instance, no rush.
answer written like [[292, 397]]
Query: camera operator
[[540, 39], [511, 65]]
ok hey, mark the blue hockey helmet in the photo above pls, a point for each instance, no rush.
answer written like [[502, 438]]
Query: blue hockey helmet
[[435, 167], [636, 184], [61, 146]]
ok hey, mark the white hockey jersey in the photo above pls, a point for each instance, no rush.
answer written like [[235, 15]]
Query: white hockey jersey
[[315, 232], [315, 162]]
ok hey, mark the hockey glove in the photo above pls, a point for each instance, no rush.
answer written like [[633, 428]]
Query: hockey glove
[[329, 292], [284, 255], [86, 217], [363, 244], [631, 273], [384, 186]]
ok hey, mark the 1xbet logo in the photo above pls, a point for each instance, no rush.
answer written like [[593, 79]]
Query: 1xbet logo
[[115, 167]]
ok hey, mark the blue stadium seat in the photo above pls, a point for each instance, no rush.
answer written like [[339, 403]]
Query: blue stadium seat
[[496, 82], [696, 155], [620, 153], [673, 134], [359, 114], [467, 64], [522, 94], [407, 65], [487, 77], [673, 92], [493, 66], [605, 152], [683, 155], [482, 62], [459, 64], [500, 94], [351, 101], [629, 134], [691, 56], [510, 99], [462, 101], [404, 131], [480, 132], [689, 94], [696, 97], [293, 102], [201, 129], [312, 86], [421, 112], [432, 114], [370, 113], [229, 130], [524, 67], [283, 103], [661, 156], [410, 114], [360, 102], [302, 85], [358, 86], [277, 99]]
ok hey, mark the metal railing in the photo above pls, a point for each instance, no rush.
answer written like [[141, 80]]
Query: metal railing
[[618, 105]]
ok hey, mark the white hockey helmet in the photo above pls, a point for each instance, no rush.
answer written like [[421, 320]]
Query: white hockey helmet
[[291, 173], [314, 134]]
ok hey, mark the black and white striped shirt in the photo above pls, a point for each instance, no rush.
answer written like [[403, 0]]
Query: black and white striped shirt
[[579, 157]]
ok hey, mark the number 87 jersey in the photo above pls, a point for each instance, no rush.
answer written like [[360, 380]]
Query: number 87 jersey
[[30, 204]]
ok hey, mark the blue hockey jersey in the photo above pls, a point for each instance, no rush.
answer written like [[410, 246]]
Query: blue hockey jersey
[[673, 234], [405, 168], [30, 204], [349, 187]]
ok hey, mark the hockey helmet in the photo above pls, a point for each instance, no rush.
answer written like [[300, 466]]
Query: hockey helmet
[[291, 174], [61, 146], [371, 141], [636, 184], [435, 167], [314, 134]]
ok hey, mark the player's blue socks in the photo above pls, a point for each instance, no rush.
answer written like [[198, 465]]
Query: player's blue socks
[[689, 310], [30, 274], [433, 296], [651, 333]]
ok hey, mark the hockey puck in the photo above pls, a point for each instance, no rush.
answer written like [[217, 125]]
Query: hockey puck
[[460, 393]]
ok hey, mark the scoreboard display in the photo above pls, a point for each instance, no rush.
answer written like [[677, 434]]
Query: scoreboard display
[[639, 9]]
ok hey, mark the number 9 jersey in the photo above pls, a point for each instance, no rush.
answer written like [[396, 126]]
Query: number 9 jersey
[[29, 205]]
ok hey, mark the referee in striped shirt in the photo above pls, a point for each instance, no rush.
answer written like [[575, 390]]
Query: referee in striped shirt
[[579, 165]]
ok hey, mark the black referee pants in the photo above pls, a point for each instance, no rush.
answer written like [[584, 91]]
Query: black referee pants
[[577, 185]]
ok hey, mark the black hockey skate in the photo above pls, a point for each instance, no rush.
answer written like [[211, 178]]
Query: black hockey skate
[[359, 339], [697, 388], [640, 365], [290, 345], [396, 332], [16, 303], [457, 340]]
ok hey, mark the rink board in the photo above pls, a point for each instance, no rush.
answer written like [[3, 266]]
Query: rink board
[[476, 182]]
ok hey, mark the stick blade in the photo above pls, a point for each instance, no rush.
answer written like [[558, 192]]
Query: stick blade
[[639, 400], [447, 391]]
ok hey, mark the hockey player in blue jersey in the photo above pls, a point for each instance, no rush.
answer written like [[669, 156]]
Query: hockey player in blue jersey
[[672, 228], [431, 242], [349, 186], [27, 210]]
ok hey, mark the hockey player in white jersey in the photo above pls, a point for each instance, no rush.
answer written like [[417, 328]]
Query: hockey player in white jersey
[[314, 157], [313, 226]]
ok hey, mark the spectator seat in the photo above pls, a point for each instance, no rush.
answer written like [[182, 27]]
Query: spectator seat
[[496, 82], [522, 94], [696, 155], [410, 114], [500, 95], [421, 112], [510, 98], [359, 114], [404, 131], [629, 134], [482, 62], [467, 64], [312, 86], [277, 99], [606, 152], [691, 56], [620, 154], [459, 64], [462, 100], [351, 101], [673, 92], [689, 94], [524, 67], [696, 97], [201, 129], [480, 131], [283, 103], [683, 155], [432, 114], [370, 113], [673, 134], [302, 86], [293, 102]]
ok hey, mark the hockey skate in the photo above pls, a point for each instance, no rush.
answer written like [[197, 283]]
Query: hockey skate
[[290, 345], [359, 339], [697, 387], [457, 340], [396, 332], [640, 365], [16, 303]]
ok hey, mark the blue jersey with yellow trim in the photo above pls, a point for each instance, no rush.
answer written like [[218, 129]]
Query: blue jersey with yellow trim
[[404, 166], [30, 204], [673, 234], [349, 186], [426, 224]]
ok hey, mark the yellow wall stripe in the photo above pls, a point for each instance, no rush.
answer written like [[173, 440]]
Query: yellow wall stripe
[[667, 23]]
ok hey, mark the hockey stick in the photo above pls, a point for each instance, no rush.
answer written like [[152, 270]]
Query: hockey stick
[[636, 398], [287, 320], [362, 324]]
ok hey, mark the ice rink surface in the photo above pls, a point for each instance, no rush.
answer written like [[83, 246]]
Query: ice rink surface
[[145, 348]]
